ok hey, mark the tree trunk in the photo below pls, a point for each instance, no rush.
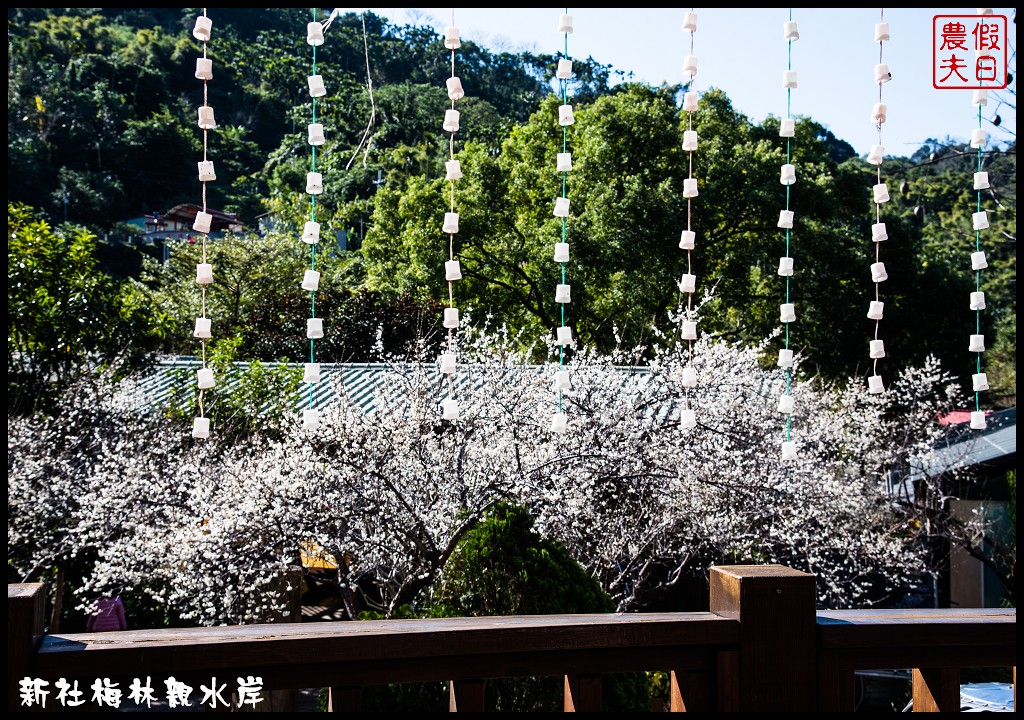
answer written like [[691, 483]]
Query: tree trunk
[[58, 598]]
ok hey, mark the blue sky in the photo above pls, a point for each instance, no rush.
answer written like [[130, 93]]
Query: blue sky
[[742, 51]]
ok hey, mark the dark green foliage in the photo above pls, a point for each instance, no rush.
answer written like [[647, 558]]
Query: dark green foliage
[[627, 211], [503, 566], [260, 310], [101, 103]]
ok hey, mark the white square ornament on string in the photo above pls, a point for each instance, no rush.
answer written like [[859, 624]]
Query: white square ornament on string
[[559, 422]]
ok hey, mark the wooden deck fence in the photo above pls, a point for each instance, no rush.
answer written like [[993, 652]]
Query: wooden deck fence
[[762, 647]]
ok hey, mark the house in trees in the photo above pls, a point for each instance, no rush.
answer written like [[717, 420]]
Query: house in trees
[[979, 465], [176, 223]]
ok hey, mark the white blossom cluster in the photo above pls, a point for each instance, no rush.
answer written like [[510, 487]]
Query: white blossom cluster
[[211, 530]]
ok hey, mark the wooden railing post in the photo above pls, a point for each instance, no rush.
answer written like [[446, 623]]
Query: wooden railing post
[[582, 693], [775, 607], [25, 608], [712, 690], [689, 692], [837, 684], [937, 690], [466, 696]]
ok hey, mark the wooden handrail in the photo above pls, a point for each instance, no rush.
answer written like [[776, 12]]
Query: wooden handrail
[[762, 647], [461, 650], [380, 651], [935, 643]]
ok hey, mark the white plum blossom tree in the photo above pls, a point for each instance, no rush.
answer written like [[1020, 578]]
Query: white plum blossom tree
[[214, 530]]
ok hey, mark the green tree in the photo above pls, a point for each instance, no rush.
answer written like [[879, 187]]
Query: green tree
[[75, 81], [64, 317], [627, 211], [257, 306], [937, 183], [250, 400], [505, 567]]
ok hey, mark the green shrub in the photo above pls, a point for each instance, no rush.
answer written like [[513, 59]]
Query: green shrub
[[504, 567]]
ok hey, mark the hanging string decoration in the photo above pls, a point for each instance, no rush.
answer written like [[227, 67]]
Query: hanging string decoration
[[687, 240], [311, 229], [787, 311], [452, 269], [203, 222], [880, 193], [363, 145], [979, 220], [563, 164]]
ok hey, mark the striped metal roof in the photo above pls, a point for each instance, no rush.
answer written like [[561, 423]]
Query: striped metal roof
[[972, 447], [362, 384]]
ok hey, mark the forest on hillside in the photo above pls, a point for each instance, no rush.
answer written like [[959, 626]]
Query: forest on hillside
[[101, 129]]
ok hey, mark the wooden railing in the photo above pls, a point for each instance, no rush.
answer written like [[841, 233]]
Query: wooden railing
[[762, 647]]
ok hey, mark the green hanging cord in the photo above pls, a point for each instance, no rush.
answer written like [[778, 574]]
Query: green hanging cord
[[565, 141], [312, 217], [977, 277], [789, 159]]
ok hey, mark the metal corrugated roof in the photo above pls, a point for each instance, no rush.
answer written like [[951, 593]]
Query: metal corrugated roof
[[363, 384], [973, 447]]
